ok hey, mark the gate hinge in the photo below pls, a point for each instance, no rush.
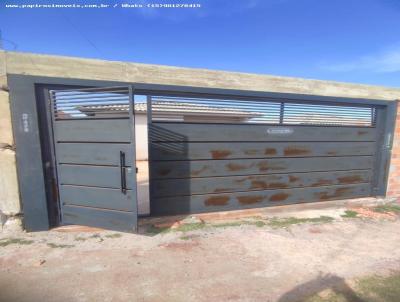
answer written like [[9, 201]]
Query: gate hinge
[[137, 170]]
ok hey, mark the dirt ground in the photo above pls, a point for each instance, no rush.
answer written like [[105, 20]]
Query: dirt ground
[[246, 260]]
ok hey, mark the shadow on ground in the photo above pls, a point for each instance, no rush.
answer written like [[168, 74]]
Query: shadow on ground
[[336, 284]]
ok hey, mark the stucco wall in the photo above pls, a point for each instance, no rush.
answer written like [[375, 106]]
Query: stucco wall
[[65, 67]]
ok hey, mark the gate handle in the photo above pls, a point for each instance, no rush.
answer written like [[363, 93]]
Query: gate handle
[[122, 168]]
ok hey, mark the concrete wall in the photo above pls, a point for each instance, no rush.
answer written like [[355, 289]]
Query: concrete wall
[[65, 67], [9, 194], [394, 171]]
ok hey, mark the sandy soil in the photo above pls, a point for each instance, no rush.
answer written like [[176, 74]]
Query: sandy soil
[[240, 263]]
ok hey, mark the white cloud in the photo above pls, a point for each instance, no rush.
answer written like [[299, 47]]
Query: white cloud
[[383, 62]]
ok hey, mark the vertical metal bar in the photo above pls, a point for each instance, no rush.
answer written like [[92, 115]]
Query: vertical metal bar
[[373, 116], [380, 149], [281, 113], [149, 109], [53, 138], [149, 146], [383, 166], [131, 100]]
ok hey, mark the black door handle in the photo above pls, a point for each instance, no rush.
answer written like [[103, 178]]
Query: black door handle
[[122, 169]]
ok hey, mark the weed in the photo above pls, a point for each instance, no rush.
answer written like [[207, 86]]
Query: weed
[[116, 235], [387, 208], [286, 222], [61, 246], [8, 241], [349, 214]]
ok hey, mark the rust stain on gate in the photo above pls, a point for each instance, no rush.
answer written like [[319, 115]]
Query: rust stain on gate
[[250, 199], [217, 201], [293, 151], [220, 154], [350, 179], [279, 197]]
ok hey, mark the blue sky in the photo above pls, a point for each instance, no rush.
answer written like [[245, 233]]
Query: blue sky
[[342, 40]]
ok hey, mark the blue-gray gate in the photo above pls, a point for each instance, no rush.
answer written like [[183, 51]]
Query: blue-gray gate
[[95, 156], [209, 153]]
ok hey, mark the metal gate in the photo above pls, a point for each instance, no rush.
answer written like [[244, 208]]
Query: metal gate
[[95, 156], [212, 153]]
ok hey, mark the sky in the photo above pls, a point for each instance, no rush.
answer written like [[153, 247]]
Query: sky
[[341, 40]]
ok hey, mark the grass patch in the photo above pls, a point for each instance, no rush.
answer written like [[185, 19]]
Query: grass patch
[[80, 239], [385, 208], [189, 237], [153, 230], [116, 235], [380, 288], [257, 223], [260, 223], [9, 241], [61, 246], [370, 289], [349, 214], [190, 227], [228, 224], [287, 222]]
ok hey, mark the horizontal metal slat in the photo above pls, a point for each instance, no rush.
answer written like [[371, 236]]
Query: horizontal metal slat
[[192, 186], [93, 197], [112, 130], [99, 176], [195, 151], [114, 220], [182, 132], [92, 153], [207, 168], [254, 199]]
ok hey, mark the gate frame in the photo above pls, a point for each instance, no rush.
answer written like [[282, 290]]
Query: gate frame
[[24, 100]]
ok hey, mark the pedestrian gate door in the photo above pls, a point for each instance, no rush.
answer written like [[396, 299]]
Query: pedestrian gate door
[[215, 153], [95, 156]]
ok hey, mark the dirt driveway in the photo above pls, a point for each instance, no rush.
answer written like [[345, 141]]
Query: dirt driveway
[[248, 260]]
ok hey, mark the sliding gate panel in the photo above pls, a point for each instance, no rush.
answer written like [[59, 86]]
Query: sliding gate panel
[[95, 156], [215, 154]]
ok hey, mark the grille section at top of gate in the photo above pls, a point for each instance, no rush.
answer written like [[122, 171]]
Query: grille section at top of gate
[[91, 103], [99, 103], [255, 111]]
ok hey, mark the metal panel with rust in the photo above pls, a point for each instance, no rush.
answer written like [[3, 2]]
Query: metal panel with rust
[[210, 167], [178, 132], [228, 150], [207, 185], [225, 167], [243, 200]]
